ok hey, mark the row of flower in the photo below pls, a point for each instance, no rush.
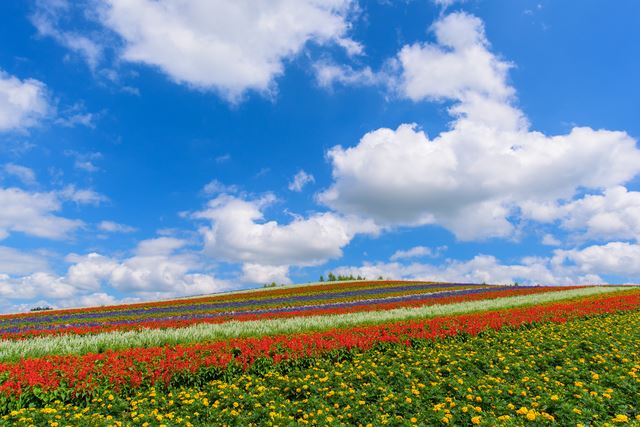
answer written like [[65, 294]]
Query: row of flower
[[257, 294], [40, 346], [124, 313], [568, 371], [156, 318], [75, 378]]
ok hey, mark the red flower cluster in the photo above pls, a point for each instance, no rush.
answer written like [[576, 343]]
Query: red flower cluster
[[83, 375]]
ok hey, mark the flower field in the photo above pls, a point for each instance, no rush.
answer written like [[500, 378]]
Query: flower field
[[375, 353], [325, 299]]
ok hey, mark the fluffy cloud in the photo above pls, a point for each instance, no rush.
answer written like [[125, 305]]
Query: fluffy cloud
[[226, 46], [257, 273], [480, 269], [13, 261], [563, 267], [22, 102], [614, 214], [158, 268], [483, 269], [33, 214], [37, 285], [300, 180], [458, 64], [238, 233], [485, 173], [614, 258]]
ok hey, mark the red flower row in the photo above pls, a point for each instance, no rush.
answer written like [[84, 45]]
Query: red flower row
[[158, 365]]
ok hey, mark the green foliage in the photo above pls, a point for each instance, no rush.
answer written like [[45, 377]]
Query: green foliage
[[340, 278]]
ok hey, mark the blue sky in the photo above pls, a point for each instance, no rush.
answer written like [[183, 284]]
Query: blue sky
[[151, 149]]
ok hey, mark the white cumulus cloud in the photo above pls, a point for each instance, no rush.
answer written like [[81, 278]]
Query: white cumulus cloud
[[258, 273], [239, 233], [33, 214], [22, 102], [14, 261], [614, 214], [226, 46], [489, 170], [614, 258], [158, 268], [479, 269]]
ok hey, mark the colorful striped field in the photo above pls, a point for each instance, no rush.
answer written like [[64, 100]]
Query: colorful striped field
[[54, 361]]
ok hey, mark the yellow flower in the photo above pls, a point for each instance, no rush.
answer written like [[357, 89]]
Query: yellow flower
[[413, 420], [476, 420], [554, 397], [621, 419]]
